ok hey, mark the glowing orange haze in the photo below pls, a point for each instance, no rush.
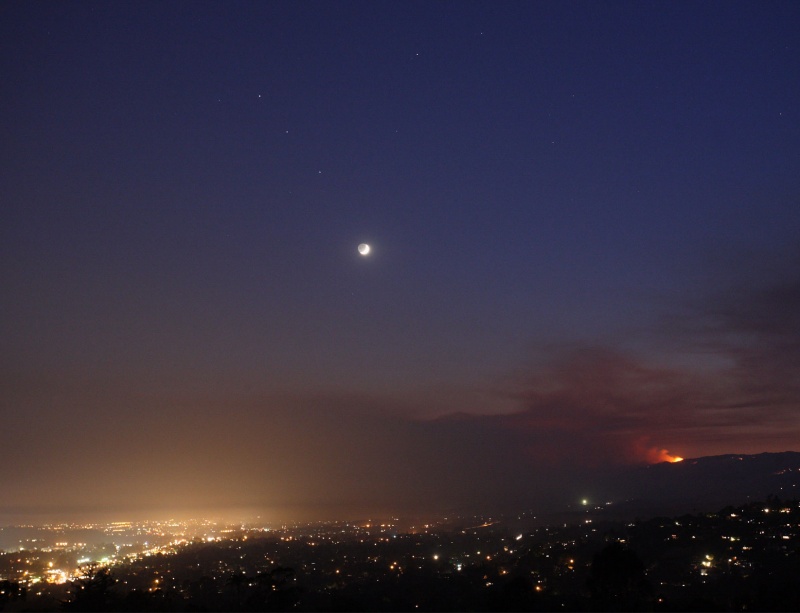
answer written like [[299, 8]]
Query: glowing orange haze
[[654, 456]]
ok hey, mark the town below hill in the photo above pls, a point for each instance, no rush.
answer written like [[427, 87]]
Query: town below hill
[[741, 557]]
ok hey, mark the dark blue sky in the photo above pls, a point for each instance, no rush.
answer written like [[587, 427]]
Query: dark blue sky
[[584, 219]]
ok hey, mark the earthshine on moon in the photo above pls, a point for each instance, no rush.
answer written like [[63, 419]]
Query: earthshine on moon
[[363, 249]]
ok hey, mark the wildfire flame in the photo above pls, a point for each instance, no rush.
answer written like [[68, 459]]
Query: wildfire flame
[[656, 455]]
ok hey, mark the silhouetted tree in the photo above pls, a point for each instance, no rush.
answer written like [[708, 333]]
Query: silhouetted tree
[[92, 592], [618, 581], [10, 591], [277, 590], [237, 581]]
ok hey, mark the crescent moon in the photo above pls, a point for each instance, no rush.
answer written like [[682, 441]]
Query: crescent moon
[[363, 249]]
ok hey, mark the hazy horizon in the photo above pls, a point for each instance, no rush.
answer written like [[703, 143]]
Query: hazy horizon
[[627, 490]]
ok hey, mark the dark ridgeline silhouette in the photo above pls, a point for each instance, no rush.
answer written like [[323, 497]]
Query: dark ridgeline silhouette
[[707, 483]]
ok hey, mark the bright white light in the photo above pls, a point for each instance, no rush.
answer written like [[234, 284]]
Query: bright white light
[[364, 249]]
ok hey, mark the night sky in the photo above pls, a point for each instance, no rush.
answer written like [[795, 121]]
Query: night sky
[[585, 230]]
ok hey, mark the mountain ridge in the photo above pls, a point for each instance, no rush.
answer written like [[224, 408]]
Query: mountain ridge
[[706, 482]]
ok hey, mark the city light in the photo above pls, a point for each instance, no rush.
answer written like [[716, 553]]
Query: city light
[[153, 557]]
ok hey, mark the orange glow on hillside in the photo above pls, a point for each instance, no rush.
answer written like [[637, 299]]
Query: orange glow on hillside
[[655, 456]]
